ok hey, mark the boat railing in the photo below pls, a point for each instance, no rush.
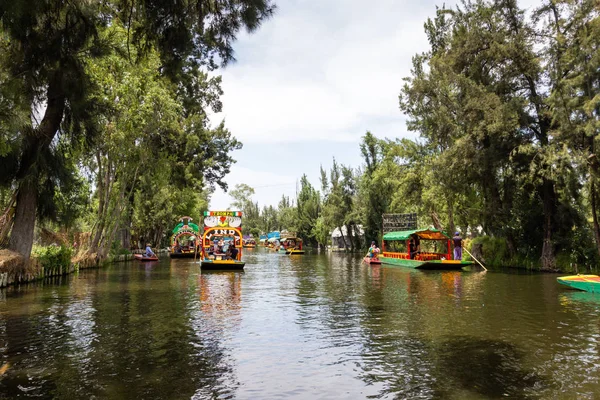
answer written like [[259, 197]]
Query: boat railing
[[419, 256]]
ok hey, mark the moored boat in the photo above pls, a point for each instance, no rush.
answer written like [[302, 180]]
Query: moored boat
[[142, 257], [588, 283], [221, 246], [403, 248]]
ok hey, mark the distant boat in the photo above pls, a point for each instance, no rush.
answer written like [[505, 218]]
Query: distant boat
[[589, 283], [292, 244], [142, 257]]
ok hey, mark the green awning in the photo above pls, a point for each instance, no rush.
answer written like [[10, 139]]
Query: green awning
[[426, 234]]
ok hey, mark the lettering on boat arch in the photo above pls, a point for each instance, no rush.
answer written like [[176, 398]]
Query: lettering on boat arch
[[222, 219]]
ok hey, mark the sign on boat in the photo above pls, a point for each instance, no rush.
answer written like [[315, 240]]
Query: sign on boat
[[222, 241]]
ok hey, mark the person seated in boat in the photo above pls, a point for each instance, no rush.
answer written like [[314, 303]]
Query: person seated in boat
[[232, 252], [149, 252], [373, 250]]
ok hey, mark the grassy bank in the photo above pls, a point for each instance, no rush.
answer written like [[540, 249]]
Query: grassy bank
[[47, 262]]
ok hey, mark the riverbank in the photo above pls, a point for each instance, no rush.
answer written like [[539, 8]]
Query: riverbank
[[15, 270]]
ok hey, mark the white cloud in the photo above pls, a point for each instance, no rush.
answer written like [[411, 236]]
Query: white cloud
[[268, 187], [323, 70]]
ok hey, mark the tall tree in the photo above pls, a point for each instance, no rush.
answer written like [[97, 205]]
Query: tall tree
[[47, 42]]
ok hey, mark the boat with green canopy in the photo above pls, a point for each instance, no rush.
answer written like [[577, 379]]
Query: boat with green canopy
[[419, 248], [184, 239]]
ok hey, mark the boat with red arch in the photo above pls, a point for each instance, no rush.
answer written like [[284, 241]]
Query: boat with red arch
[[221, 246]]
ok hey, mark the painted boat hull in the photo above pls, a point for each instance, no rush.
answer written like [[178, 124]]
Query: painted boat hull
[[431, 264], [219, 265], [141, 257], [292, 252], [372, 261], [588, 283]]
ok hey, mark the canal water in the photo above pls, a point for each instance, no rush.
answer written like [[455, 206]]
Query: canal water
[[319, 326]]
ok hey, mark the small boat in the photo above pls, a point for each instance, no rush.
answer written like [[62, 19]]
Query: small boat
[[142, 257], [372, 261], [589, 283]]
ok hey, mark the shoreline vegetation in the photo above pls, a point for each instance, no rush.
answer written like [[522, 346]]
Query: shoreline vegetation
[[504, 104]]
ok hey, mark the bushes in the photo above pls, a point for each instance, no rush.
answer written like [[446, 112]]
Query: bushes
[[494, 251], [55, 260], [577, 257]]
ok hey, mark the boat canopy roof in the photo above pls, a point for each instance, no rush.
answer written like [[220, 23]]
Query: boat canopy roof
[[427, 234]]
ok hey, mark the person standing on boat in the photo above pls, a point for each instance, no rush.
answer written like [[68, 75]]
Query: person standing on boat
[[149, 252], [458, 243]]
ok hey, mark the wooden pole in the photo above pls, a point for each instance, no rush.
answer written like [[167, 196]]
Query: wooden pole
[[469, 253]]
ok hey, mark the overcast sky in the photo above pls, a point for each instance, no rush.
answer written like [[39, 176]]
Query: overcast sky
[[310, 83]]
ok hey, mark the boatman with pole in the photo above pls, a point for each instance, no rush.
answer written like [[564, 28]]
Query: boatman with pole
[[458, 243]]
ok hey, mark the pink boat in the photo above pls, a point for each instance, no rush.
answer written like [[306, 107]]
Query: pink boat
[[372, 261]]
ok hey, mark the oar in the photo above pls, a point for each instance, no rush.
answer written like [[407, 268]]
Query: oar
[[475, 259]]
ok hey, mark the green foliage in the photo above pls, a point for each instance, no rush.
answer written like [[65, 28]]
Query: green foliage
[[55, 260]]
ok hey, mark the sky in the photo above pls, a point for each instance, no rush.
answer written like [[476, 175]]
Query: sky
[[311, 81]]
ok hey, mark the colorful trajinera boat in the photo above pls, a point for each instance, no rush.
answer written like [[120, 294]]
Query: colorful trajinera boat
[[222, 241], [249, 243], [291, 244], [403, 249], [589, 283], [184, 239], [262, 240]]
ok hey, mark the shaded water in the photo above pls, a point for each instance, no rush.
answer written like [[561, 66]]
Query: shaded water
[[305, 327]]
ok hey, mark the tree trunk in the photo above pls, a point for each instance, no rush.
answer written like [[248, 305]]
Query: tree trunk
[[21, 237], [35, 141], [548, 258], [343, 238], [7, 219]]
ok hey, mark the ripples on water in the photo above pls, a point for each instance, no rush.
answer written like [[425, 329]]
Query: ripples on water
[[317, 326]]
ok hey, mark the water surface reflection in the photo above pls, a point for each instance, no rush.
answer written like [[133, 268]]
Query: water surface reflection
[[313, 326]]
